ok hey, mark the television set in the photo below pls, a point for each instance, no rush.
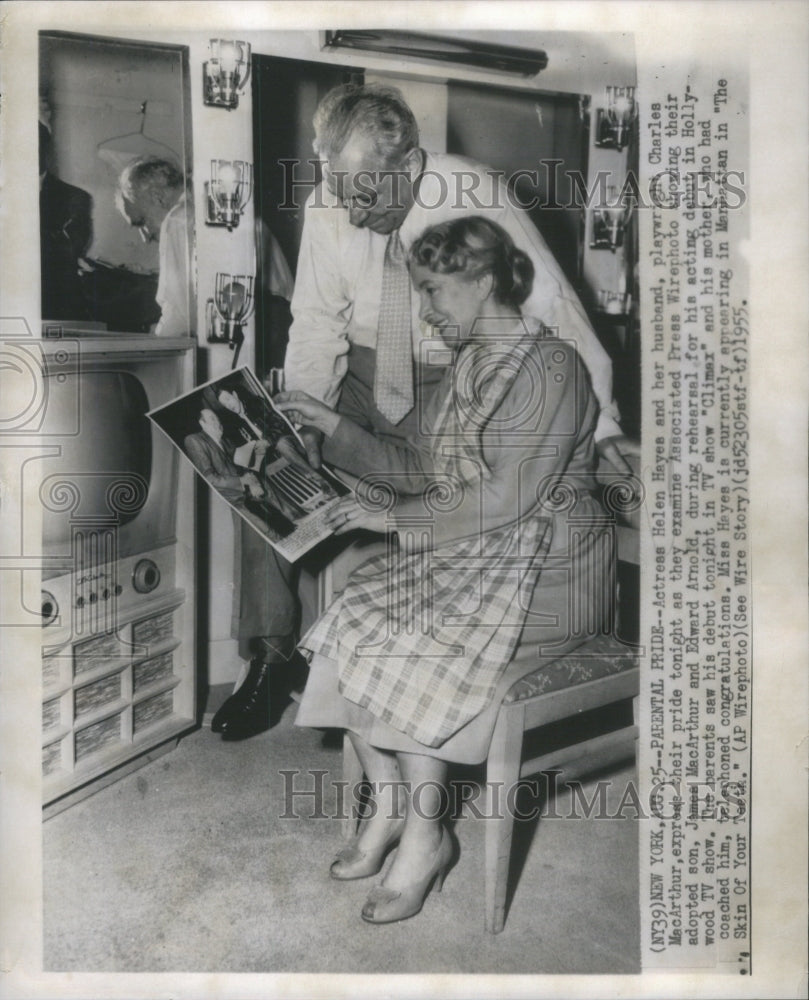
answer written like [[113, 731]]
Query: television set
[[108, 486], [117, 556]]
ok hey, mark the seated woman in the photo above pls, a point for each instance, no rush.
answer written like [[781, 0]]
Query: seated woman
[[496, 539]]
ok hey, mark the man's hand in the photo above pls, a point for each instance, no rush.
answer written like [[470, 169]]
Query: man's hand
[[313, 443], [301, 408], [250, 480], [291, 450], [617, 451]]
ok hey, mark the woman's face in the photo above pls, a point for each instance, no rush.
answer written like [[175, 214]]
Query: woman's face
[[450, 302]]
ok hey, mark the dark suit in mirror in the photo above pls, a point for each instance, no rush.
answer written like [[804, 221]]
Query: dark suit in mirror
[[66, 231]]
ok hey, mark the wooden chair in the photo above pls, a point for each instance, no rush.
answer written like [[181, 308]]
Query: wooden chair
[[527, 707], [601, 672]]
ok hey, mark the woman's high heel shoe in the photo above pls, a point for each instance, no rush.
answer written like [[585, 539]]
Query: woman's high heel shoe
[[352, 863], [385, 906]]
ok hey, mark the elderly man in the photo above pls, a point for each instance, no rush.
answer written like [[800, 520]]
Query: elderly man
[[354, 340], [152, 197]]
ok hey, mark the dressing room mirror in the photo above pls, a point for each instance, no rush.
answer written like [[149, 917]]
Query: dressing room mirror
[[104, 104]]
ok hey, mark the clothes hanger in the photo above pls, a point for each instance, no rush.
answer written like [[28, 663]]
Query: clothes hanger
[[120, 149]]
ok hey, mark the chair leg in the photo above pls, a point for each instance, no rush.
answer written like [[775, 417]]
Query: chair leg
[[353, 774], [502, 774]]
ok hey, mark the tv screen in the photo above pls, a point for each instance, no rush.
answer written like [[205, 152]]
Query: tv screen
[[110, 470]]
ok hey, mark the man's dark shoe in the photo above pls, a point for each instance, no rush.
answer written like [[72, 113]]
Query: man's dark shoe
[[233, 705], [249, 711], [261, 700]]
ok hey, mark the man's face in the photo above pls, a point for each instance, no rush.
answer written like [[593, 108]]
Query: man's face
[[211, 424], [376, 198], [230, 401], [145, 214]]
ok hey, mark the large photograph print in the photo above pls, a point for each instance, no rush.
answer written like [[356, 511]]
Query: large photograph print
[[251, 456]]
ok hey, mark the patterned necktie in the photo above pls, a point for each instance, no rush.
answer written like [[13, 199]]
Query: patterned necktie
[[393, 381]]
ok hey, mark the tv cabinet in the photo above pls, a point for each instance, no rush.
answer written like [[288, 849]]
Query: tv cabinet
[[113, 696], [118, 637]]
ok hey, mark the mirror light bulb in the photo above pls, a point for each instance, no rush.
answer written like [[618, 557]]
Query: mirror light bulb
[[227, 56]]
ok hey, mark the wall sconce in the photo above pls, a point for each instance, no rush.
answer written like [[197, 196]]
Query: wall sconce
[[225, 73], [228, 311], [614, 125], [610, 222], [227, 194], [614, 303]]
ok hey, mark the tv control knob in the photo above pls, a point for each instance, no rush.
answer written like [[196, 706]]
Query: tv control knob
[[79, 602], [146, 576], [118, 590], [50, 608], [93, 597]]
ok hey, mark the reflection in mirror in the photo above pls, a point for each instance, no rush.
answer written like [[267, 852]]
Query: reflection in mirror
[[116, 214]]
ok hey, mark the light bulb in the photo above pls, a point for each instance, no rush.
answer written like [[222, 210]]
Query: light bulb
[[227, 179], [234, 295], [227, 56], [622, 106]]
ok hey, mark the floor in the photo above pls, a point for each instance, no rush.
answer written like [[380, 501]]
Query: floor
[[191, 865]]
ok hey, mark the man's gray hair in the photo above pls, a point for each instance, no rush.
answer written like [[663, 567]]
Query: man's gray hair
[[373, 110], [153, 176]]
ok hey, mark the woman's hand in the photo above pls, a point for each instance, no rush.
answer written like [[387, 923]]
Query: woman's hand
[[348, 515], [301, 408]]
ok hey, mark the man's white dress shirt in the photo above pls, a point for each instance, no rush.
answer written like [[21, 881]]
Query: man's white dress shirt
[[175, 286]]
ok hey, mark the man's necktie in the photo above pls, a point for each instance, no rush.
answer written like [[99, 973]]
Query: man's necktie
[[393, 382]]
